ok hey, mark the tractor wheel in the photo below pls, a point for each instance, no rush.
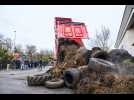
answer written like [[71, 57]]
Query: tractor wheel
[[71, 77], [37, 80], [54, 83]]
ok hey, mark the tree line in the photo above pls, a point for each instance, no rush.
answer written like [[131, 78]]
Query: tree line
[[30, 53]]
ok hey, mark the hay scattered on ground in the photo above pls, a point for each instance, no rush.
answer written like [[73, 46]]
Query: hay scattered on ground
[[108, 82], [73, 59], [98, 81]]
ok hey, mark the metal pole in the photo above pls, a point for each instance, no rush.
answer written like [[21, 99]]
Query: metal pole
[[14, 38]]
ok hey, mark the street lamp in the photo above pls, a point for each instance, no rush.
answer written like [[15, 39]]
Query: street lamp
[[14, 39]]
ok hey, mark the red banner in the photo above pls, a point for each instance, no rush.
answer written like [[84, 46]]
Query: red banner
[[65, 28], [72, 31]]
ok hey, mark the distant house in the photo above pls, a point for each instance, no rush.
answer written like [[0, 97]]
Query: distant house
[[125, 38], [3, 44]]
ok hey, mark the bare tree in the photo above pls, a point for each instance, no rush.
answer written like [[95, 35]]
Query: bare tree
[[42, 52], [30, 49], [18, 48], [45, 55], [45, 52], [5, 43], [8, 43], [102, 38]]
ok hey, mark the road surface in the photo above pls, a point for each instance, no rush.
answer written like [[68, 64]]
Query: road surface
[[14, 82]]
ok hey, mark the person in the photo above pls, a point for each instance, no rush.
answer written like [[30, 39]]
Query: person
[[26, 64], [29, 64], [18, 64], [45, 63], [40, 65], [22, 65], [13, 64], [35, 64], [32, 64], [8, 65]]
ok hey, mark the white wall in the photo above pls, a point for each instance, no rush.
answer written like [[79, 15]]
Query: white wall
[[127, 41]]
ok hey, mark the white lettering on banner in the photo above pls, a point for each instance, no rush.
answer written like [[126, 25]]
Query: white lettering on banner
[[71, 31], [78, 31], [67, 29]]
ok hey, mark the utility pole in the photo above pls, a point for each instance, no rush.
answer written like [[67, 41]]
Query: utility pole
[[14, 39]]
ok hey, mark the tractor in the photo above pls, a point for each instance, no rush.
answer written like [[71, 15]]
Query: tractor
[[68, 34]]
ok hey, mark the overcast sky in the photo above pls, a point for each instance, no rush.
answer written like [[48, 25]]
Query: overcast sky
[[34, 24]]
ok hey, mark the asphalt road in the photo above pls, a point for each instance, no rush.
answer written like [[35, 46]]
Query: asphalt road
[[14, 82]]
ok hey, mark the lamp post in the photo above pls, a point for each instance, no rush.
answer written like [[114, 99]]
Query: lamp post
[[14, 39]]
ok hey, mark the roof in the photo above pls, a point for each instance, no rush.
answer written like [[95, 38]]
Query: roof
[[127, 23], [74, 23]]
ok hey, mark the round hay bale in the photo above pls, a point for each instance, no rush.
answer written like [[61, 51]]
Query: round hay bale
[[94, 49], [100, 54], [118, 55]]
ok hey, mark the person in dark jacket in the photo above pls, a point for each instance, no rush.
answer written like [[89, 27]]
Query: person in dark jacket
[[26, 64], [18, 64], [40, 65]]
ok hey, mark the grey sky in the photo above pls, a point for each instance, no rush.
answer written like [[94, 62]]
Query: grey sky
[[34, 24]]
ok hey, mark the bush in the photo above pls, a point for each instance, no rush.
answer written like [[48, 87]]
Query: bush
[[4, 57]]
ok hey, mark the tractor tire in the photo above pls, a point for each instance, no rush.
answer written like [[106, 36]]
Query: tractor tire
[[37, 80], [55, 83], [100, 65], [71, 77]]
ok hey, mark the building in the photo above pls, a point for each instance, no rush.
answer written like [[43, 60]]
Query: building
[[3, 44], [125, 38], [6, 44]]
